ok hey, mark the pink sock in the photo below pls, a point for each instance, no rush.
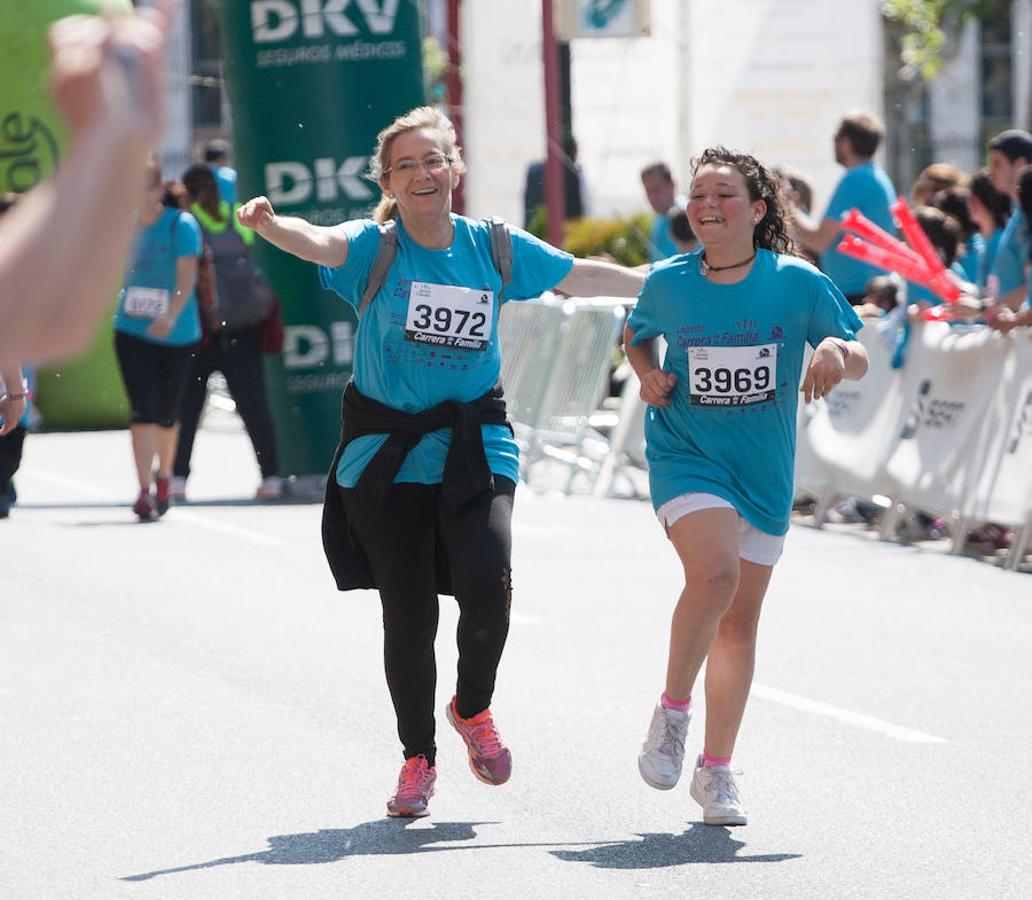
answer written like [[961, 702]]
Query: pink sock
[[668, 702], [708, 761]]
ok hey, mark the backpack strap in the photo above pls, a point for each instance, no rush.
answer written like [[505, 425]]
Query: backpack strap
[[501, 256], [501, 251], [381, 265]]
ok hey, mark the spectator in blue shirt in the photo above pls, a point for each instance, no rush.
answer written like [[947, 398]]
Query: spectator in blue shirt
[[1009, 153], [216, 155], [990, 209], [865, 187], [661, 192], [1004, 318]]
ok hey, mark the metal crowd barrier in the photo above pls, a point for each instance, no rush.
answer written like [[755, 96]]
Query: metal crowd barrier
[[556, 359], [949, 434]]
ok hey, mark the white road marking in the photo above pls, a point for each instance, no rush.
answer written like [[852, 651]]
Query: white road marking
[[859, 720], [181, 515], [255, 537], [70, 483], [518, 618]]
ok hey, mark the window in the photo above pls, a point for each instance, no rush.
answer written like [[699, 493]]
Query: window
[[206, 74], [997, 102]]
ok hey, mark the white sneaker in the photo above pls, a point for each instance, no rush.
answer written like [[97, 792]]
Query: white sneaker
[[271, 488], [662, 754], [714, 789], [177, 488]]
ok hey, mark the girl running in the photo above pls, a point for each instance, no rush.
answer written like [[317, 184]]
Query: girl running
[[720, 435]]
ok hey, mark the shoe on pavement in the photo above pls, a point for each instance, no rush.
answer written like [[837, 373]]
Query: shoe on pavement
[[489, 759], [715, 790], [415, 788], [143, 507], [161, 494], [662, 754], [177, 488], [271, 488]]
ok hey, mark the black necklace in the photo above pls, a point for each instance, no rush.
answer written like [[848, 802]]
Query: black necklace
[[706, 268]]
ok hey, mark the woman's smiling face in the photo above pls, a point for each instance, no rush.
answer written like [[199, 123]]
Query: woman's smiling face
[[420, 177]]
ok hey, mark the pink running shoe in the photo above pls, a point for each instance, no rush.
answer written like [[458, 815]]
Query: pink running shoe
[[161, 494], [415, 788], [143, 507], [489, 759]]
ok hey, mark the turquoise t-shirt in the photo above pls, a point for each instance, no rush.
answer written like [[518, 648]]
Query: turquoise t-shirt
[[971, 261], [226, 178], [158, 249], [731, 431], [1012, 255], [985, 264], [661, 242], [431, 333], [866, 188]]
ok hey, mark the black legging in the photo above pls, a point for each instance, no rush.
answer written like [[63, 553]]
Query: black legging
[[238, 356], [400, 545], [154, 376], [10, 457]]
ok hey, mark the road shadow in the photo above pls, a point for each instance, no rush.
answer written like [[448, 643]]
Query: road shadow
[[387, 837], [704, 844]]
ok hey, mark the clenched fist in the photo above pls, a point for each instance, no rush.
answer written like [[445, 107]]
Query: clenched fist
[[256, 214]]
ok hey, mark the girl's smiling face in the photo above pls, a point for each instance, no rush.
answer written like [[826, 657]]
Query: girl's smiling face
[[720, 209]]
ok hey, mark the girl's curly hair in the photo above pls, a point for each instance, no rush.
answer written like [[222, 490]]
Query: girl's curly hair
[[771, 233]]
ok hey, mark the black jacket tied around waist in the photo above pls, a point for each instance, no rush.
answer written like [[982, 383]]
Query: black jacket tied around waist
[[466, 472]]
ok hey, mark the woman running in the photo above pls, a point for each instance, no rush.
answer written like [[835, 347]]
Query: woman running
[[720, 435], [157, 328], [421, 492]]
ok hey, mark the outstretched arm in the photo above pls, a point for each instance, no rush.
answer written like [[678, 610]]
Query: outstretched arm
[[595, 278], [816, 235], [64, 247], [325, 246]]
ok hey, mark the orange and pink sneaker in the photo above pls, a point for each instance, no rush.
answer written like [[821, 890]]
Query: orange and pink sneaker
[[489, 759], [415, 788]]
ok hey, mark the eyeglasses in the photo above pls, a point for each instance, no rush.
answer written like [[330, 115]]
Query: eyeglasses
[[434, 164]]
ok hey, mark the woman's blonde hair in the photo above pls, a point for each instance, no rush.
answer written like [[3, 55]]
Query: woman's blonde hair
[[421, 117]]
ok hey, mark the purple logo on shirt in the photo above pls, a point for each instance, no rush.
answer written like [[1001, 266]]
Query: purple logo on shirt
[[777, 333]]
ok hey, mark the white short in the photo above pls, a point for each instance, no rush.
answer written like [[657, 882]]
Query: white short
[[754, 546]]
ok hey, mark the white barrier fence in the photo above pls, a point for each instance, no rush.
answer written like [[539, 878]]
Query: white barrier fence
[[949, 434], [556, 359]]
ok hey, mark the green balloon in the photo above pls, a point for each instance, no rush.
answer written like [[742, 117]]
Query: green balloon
[[87, 392]]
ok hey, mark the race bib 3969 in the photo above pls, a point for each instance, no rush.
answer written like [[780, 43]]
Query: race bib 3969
[[732, 376]]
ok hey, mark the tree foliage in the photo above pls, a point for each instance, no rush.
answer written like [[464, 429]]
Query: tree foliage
[[929, 29]]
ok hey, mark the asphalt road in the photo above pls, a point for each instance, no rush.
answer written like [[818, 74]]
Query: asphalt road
[[188, 709]]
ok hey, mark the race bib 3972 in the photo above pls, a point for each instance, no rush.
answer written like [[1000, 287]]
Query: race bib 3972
[[447, 316]]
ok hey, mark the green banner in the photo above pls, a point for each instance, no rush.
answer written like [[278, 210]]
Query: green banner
[[85, 392], [311, 83]]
